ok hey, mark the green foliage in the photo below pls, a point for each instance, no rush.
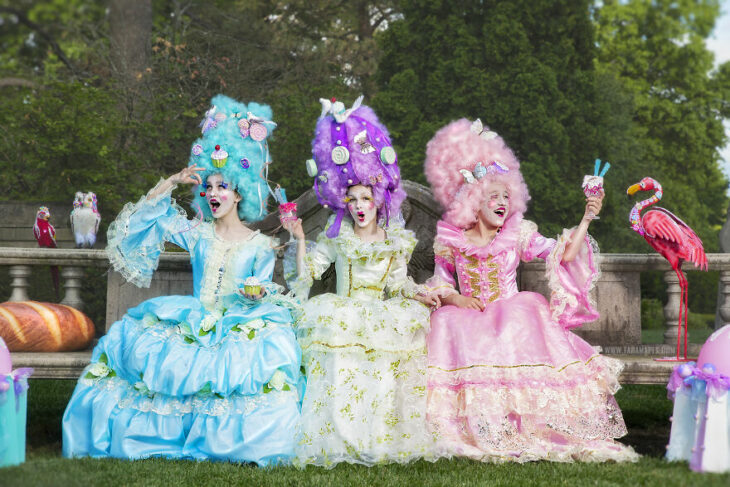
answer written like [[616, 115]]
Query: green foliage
[[562, 81], [532, 71], [656, 50], [652, 314], [526, 69]]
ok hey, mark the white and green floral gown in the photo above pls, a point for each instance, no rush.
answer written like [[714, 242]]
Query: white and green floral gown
[[364, 352]]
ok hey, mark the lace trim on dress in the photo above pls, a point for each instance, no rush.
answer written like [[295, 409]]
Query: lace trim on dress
[[398, 241], [527, 229], [241, 332], [138, 397]]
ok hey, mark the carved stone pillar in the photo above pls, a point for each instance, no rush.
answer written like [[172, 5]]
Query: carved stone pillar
[[72, 283], [671, 310], [19, 284]]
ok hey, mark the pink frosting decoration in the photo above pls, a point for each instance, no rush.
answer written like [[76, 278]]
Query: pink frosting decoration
[[716, 351], [5, 364]]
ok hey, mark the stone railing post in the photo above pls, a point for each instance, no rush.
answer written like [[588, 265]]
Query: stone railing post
[[671, 310], [72, 283], [19, 284], [724, 307]]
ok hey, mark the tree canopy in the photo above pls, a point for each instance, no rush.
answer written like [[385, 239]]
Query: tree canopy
[[108, 96]]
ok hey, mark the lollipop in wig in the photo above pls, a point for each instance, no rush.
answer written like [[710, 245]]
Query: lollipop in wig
[[351, 147], [461, 160]]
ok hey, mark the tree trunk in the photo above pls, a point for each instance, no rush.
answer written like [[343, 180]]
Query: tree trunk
[[130, 26]]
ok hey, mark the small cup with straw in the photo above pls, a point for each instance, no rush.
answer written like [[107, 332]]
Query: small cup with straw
[[593, 184], [287, 210]]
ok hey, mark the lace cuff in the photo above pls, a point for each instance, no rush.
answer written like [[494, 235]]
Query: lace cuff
[[408, 289], [436, 286], [299, 284], [571, 282]]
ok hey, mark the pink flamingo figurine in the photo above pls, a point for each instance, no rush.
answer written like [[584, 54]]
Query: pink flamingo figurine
[[673, 239]]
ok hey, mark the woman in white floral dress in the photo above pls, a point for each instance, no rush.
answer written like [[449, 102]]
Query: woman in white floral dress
[[364, 348]]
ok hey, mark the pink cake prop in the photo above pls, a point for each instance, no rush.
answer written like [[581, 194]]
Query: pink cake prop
[[5, 364], [701, 418]]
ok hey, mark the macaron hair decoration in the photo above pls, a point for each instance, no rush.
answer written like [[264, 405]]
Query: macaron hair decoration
[[351, 147]]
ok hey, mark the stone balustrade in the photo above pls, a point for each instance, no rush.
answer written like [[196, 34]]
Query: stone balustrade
[[617, 294]]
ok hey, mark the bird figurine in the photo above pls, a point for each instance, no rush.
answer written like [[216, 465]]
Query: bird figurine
[[45, 234], [85, 220], [674, 240]]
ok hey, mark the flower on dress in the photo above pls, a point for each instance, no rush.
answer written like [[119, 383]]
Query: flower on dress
[[149, 319], [99, 370], [142, 387], [209, 321], [256, 324], [278, 380]]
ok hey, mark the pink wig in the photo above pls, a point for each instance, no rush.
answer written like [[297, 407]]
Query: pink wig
[[456, 146]]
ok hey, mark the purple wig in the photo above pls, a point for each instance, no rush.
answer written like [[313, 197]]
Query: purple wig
[[352, 147]]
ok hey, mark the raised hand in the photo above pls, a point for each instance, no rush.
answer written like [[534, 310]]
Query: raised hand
[[593, 206], [189, 175], [295, 229]]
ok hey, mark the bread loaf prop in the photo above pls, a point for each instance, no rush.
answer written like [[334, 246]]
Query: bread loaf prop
[[31, 326]]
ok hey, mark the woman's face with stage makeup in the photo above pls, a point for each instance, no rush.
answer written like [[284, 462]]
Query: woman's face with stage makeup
[[361, 205], [221, 198], [495, 207]]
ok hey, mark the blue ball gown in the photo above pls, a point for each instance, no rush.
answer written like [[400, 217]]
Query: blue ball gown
[[210, 376]]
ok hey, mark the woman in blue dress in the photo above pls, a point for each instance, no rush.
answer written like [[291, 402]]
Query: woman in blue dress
[[215, 375]]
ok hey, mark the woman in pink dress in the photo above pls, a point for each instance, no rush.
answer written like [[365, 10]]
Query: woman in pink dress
[[508, 381]]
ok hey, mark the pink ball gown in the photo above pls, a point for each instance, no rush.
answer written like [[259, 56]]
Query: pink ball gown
[[512, 383]]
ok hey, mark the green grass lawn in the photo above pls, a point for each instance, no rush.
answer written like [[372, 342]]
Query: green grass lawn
[[656, 335], [646, 411]]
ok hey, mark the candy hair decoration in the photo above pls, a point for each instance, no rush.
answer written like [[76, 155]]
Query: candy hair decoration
[[351, 147], [240, 156], [461, 160]]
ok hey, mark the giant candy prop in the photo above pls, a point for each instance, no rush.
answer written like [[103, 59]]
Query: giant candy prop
[[13, 406], [701, 419]]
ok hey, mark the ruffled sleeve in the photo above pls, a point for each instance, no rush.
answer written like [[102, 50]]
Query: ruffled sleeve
[[532, 244], [318, 258], [443, 283], [570, 282], [138, 235]]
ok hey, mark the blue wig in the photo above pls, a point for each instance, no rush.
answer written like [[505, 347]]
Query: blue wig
[[240, 131]]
